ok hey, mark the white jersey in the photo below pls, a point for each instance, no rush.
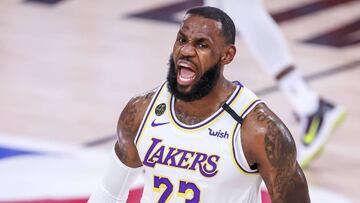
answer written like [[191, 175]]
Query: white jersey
[[197, 163]]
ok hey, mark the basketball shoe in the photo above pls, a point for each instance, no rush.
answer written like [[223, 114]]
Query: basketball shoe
[[316, 130]]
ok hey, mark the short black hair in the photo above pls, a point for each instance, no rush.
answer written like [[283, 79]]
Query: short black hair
[[228, 26]]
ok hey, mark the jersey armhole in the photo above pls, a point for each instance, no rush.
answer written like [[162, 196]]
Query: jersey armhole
[[147, 113], [238, 153]]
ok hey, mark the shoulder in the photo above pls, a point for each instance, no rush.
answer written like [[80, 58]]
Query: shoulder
[[128, 125], [265, 136], [133, 113]]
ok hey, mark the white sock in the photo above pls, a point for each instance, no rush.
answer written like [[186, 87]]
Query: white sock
[[302, 98]]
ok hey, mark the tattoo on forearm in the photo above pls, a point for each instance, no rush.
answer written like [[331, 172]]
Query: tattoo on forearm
[[290, 188]]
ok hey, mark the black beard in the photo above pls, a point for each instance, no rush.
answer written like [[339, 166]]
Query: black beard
[[199, 90]]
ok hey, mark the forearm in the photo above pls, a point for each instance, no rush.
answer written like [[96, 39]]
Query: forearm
[[116, 182], [289, 188]]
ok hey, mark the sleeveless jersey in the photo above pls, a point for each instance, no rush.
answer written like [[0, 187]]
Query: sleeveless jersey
[[197, 163]]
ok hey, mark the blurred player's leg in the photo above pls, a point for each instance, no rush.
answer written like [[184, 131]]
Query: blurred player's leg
[[265, 40]]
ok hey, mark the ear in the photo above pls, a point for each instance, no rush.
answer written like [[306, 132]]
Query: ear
[[228, 54]]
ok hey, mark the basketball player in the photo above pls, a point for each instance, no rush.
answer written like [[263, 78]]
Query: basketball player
[[317, 116], [200, 137]]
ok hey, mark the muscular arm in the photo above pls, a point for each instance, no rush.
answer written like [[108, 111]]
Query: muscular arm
[[123, 167], [268, 143], [128, 125]]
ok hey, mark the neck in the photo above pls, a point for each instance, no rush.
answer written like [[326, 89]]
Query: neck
[[196, 111]]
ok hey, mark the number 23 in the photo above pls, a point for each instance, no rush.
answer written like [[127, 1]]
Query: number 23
[[184, 189]]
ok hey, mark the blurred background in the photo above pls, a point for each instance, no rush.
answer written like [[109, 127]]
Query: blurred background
[[68, 67]]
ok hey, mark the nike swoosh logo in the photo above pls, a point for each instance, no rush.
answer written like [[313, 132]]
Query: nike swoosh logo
[[153, 124], [314, 129]]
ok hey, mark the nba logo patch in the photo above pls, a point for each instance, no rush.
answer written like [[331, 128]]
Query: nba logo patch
[[160, 109]]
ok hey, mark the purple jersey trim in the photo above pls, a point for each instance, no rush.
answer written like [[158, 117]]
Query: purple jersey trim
[[208, 120], [148, 112], [250, 107], [236, 160]]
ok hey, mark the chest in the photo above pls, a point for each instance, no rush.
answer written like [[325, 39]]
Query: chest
[[203, 151]]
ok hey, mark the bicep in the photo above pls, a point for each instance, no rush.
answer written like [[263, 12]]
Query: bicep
[[125, 147], [128, 125], [127, 152], [278, 166], [273, 149]]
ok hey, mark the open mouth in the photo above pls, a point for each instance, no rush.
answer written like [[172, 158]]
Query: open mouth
[[186, 74]]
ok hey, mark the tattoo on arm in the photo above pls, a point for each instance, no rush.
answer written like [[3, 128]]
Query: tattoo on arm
[[128, 125], [278, 150], [286, 182]]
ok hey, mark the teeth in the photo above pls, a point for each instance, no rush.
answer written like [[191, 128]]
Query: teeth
[[185, 78], [184, 65], [185, 73]]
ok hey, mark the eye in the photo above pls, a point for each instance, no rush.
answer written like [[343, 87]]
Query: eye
[[203, 45], [181, 40]]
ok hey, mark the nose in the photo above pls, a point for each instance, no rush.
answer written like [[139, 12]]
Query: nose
[[187, 50]]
